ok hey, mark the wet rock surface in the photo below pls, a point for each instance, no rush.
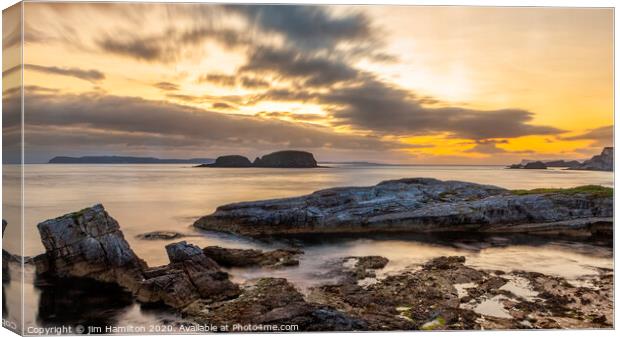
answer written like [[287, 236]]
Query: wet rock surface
[[230, 257], [272, 301], [445, 294], [90, 244], [415, 205], [364, 266], [189, 276]]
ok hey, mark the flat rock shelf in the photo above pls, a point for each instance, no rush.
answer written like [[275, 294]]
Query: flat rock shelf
[[421, 205]]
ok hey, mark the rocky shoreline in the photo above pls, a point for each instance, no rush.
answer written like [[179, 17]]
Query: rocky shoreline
[[422, 205], [444, 293]]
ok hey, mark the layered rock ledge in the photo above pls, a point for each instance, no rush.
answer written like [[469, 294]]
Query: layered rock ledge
[[421, 205], [90, 245]]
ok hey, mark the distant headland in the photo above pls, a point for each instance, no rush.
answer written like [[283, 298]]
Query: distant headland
[[601, 162], [279, 159], [126, 160]]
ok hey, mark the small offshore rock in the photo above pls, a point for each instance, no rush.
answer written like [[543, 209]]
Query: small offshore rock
[[231, 257], [160, 235]]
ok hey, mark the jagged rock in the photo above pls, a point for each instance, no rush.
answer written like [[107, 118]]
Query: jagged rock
[[89, 244], [365, 266], [415, 205], [231, 257], [287, 159], [601, 162], [446, 294], [189, 276], [407, 300], [272, 301], [229, 161]]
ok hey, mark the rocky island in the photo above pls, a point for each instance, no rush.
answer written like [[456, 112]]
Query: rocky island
[[229, 161], [422, 205], [280, 159], [535, 165], [601, 162]]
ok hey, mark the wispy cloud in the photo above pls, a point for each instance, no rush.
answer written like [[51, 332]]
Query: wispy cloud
[[91, 75]]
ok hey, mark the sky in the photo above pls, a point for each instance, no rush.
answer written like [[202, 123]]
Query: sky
[[394, 84]]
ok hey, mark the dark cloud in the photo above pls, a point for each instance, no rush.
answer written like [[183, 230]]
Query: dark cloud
[[169, 45], [253, 83], [234, 80], [489, 146], [284, 95], [313, 71], [232, 99], [137, 121], [378, 106], [147, 49], [88, 75], [220, 79], [603, 136], [290, 115], [221, 105], [166, 86], [308, 27]]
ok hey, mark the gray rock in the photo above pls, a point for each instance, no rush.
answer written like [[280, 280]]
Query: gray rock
[[272, 301], [231, 257], [89, 244], [413, 205], [160, 235], [189, 276], [601, 162]]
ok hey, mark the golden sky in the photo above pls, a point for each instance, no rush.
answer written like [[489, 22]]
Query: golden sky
[[407, 84]]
